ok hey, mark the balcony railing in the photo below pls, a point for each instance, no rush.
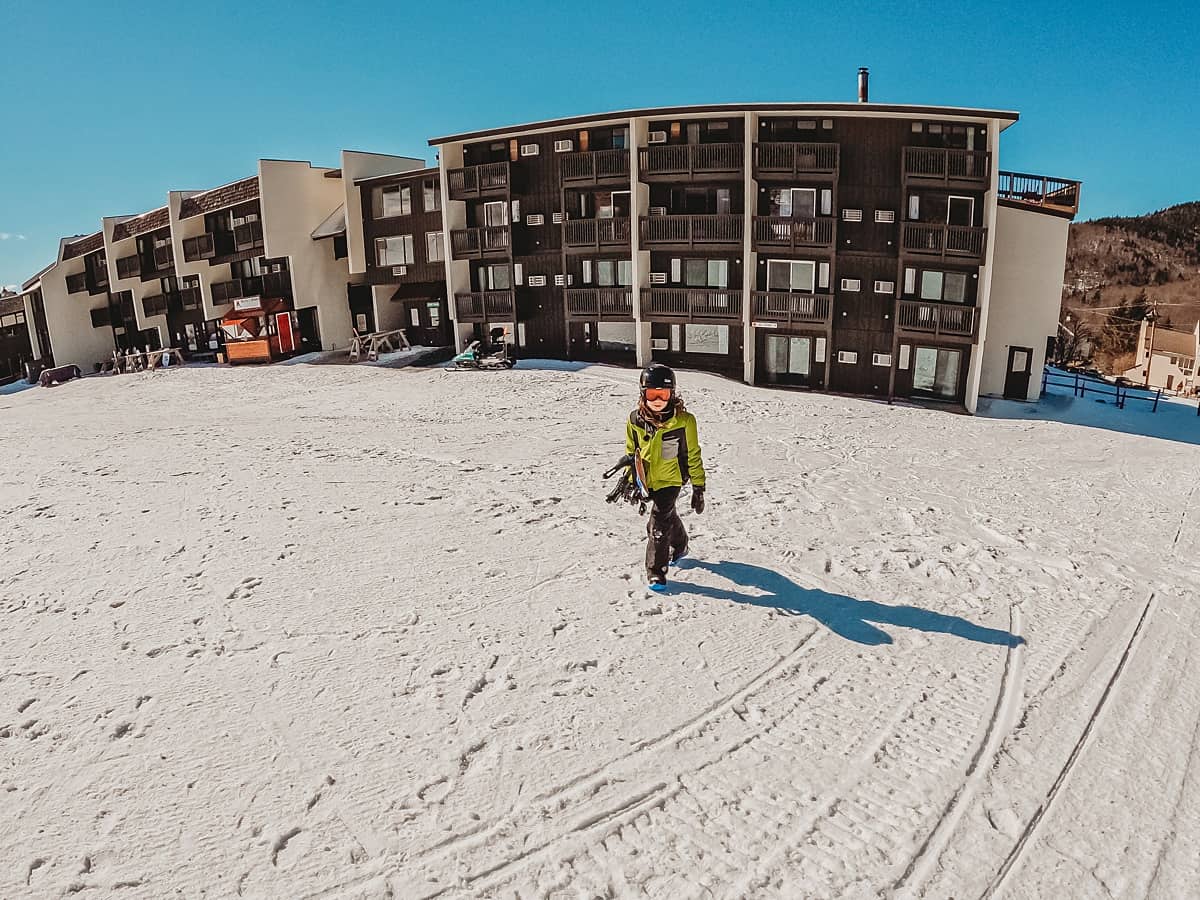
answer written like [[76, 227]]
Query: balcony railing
[[926, 317], [77, 283], [691, 160], [940, 164], [476, 181], [164, 257], [692, 303], [485, 306], [595, 234], [129, 267], [202, 246], [469, 243], [795, 309], [1057, 194], [247, 236], [691, 230], [795, 160], [612, 304], [786, 233], [592, 166], [943, 241]]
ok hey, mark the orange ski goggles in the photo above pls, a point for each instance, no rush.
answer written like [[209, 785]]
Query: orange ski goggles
[[657, 394]]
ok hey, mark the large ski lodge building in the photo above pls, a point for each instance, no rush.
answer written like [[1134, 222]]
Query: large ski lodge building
[[860, 248]]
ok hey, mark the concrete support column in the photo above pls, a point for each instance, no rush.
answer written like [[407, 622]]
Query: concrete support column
[[454, 215], [749, 258], [984, 294]]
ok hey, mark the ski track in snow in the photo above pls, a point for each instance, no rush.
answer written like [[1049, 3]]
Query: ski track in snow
[[342, 633]]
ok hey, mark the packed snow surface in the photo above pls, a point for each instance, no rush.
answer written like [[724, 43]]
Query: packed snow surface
[[348, 632]]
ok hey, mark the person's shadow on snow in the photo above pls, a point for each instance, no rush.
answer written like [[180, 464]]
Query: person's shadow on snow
[[845, 616]]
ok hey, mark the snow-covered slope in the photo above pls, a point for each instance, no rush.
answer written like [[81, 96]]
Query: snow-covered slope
[[344, 632]]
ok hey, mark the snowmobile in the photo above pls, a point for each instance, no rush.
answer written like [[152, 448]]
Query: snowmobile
[[479, 356]]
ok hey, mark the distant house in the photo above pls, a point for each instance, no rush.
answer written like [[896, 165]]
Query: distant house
[[1171, 362]]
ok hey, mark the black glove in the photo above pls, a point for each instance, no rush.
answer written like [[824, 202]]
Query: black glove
[[697, 498]]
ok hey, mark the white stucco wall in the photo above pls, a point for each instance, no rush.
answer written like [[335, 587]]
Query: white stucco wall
[[295, 198], [69, 319], [1026, 293], [357, 165], [139, 289]]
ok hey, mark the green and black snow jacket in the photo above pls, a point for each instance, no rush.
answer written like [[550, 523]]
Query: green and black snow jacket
[[671, 453]]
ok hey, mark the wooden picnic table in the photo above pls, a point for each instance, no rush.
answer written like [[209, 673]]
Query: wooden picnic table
[[377, 342]]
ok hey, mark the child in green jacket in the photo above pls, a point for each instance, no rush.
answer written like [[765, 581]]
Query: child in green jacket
[[661, 434]]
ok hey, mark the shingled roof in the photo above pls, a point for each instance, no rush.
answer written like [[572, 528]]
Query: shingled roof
[[151, 221], [84, 245], [219, 198]]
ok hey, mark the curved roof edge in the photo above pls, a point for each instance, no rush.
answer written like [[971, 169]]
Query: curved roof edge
[[1008, 115]]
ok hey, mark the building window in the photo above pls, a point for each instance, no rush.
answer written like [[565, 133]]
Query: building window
[[432, 196], [931, 285], [497, 278], [712, 339], [610, 272], [789, 203], [395, 251], [791, 275], [936, 372], [788, 359], [394, 200], [495, 214], [435, 247]]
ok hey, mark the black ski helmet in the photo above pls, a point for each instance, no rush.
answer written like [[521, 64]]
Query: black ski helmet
[[656, 375]]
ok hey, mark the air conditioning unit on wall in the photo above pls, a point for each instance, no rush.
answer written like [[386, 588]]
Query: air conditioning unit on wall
[[563, 146], [659, 344], [658, 137], [658, 277]]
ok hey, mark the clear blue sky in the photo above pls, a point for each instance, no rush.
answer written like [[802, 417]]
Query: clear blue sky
[[104, 107]]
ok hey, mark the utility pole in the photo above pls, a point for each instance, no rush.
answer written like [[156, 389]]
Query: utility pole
[[1152, 318]]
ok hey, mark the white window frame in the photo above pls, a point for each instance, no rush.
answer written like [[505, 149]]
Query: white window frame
[[792, 265], [950, 202], [404, 191], [435, 246], [384, 250], [495, 204]]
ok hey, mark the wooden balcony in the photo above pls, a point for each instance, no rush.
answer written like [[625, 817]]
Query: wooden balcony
[[485, 306], [164, 257], [687, 232], [691, 303], [942, 321], [247, 236], [788, 161], [129, 267], [484, 180], [600, 304], [594, 167], [793, 309], [202, 246], [582, 235], [77, 283], [786, 234], [476, 243], [938, 166], [943, 242], [691, 162], [1056, 195]]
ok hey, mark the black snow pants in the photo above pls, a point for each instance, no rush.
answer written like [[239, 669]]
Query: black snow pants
[[666, 535]]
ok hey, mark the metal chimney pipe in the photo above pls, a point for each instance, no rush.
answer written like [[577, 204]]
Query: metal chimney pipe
[[862, 85]]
